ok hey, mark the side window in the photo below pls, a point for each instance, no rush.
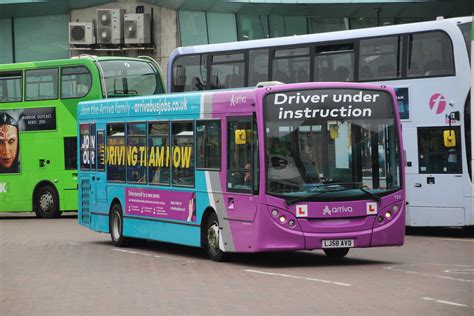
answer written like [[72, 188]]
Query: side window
[[42, 84], [334, 63], [242, 159], [182, 153], [189, 73], [208, 145], [430, 54], [10, 87], [228, 71], [70, 153], [291, 65], [258, 66], [380, 58], [88, 148], [126, 78], [115, 152], [75, 82], [100, 150], [433, 156], [159, 153], [136, 153]]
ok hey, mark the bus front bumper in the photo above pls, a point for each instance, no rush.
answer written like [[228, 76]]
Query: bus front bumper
[[267, 233]]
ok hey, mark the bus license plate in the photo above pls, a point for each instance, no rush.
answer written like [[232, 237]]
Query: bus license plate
[[338, 243]]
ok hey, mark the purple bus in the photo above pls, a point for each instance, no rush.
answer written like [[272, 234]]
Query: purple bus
[[273, 168]]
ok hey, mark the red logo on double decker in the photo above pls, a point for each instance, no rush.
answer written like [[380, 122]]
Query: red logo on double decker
[[437, 103]]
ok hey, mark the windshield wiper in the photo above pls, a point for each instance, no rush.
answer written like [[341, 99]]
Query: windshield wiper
[[374, 197], [359, 186], [301, 198], [328, 188]]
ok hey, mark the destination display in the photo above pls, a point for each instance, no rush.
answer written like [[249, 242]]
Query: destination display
[[337, 104]]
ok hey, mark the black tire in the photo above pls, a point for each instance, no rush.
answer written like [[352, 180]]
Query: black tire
[[116, 227], [212, 239], [46, 203], [336, 252]]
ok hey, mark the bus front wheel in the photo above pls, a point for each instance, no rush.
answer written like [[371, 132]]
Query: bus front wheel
[[212, 239], [336, 252], [47, 202]]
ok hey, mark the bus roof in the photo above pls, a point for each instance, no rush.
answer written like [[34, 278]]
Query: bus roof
[[321, 37], [153, 105], [82, 59]]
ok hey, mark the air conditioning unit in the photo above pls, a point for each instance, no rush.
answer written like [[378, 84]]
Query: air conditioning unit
[[137, 28], [81, 33], [110, 26]]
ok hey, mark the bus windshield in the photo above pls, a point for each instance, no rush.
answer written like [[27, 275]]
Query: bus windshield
[[331, 144], [466, 29], [130, 78]]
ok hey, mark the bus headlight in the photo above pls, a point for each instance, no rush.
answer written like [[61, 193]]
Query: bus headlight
[[284, 218], [395, 208], [388, 215]]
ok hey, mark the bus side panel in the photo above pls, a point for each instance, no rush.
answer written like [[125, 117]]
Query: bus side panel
[[178, 233], [99, 222], [146, 227], [69, 200]]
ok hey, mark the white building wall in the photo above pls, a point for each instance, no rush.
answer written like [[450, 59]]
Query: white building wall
[[165, 31]]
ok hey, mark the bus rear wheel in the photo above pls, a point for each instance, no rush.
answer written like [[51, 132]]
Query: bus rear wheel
[[46, 204], [336, 252], [116, 227], [212, 239]]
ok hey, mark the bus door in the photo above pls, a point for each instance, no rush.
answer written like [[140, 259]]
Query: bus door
[[437, 186], [242, 168]]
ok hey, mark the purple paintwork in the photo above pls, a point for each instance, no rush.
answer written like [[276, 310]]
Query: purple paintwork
[[252, 226]]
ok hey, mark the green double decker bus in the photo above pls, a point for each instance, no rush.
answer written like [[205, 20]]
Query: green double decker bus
[[38, 124]]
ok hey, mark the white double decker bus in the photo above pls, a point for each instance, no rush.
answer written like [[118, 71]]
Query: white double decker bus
[[428, 64]]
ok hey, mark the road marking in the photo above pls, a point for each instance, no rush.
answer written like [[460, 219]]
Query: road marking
[[297, 277], [444, 302], [400, 269], [151, 255], [457, 239], [460, 271]]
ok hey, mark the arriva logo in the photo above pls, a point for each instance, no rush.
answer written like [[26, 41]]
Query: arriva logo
[[338, 209]]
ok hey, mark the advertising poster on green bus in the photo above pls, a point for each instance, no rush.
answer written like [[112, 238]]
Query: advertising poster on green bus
[[14, 121]]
